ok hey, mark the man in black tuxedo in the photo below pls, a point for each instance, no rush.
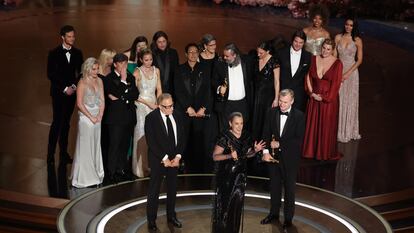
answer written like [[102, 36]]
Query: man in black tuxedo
[[63, 68], [232, 82], [283, 132], [120, 117], [192, 86], [294, 66], [165, 135]]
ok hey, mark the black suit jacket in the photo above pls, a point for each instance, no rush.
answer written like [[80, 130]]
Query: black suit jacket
[[167, 62], [192, 87], [62, 73], [220, 73], [122, 110], [291, 139], [297, 82], [156, 136]]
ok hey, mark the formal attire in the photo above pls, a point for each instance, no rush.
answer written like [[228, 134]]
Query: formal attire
[[120, 118], [264, 89], [314, 46], [87, 168], [147, 88], [348, 127], [322, 116], [211, 130], [131, 66], [63, 70], [294, 66], [288, 129], [166, 61], [230, 180], [163, 144], [192, 86], [239, 94]]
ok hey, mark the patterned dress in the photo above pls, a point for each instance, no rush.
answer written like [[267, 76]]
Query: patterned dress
[[348, 126], [147, 88]]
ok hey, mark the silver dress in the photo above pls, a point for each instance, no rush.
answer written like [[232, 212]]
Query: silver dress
[[147, 88], [348, 127], [87, 166], [314, 46]]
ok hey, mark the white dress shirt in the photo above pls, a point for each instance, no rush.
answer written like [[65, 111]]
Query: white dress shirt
[[67, 53], [236, 83], [283, 119], [294, 60]]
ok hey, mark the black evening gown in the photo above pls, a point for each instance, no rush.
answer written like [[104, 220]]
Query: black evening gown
[[230, 181], [264, 95]]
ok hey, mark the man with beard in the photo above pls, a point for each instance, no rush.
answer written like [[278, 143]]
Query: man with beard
[[232, 83]]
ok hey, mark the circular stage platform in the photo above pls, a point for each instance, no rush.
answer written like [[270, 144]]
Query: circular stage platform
[[121, 208]]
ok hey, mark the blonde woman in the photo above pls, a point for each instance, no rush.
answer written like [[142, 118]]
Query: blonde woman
[[87, 169], [148, 82], [105, 61]]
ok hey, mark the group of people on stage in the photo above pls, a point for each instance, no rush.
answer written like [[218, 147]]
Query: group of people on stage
[[209, 111]]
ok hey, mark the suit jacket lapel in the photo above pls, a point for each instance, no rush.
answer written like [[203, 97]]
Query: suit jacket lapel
[[287, 123], [277, 122], [243, 64], [289, 65], [199, 78], [161, 123]]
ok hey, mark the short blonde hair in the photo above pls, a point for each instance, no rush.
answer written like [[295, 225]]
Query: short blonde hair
[[87, 66]]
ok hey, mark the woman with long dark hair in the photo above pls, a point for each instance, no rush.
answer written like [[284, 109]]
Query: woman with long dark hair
[[266, 85], [140, 43], [349, 51]]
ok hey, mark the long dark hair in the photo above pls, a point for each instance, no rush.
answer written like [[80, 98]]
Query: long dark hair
[[156, 36], [355, 28], [133, 49]]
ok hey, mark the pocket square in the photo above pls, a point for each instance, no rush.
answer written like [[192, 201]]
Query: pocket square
[[305, 64]]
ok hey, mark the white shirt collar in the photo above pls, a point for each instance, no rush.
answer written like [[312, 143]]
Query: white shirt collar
[[292, 51], [288, 111], [63, 46]]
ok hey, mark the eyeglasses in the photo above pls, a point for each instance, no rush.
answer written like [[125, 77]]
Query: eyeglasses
[[168, 106]]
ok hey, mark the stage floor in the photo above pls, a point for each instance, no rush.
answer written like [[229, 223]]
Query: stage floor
[[122, 208], [381, 162]]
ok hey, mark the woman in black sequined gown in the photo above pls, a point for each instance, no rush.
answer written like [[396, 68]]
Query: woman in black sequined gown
[[231, 152]]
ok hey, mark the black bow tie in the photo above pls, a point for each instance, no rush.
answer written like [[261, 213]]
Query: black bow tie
[[67, 51], [284, 113]]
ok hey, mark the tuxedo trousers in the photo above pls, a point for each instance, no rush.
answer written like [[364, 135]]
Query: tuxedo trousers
[[63, 106], [158, 171], [281, 178], [119, 138]]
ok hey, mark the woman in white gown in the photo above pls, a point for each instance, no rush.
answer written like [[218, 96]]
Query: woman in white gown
[[148, 82], [87, 169]]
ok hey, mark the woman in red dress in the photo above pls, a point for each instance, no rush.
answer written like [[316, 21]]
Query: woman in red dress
[[322, 83]]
